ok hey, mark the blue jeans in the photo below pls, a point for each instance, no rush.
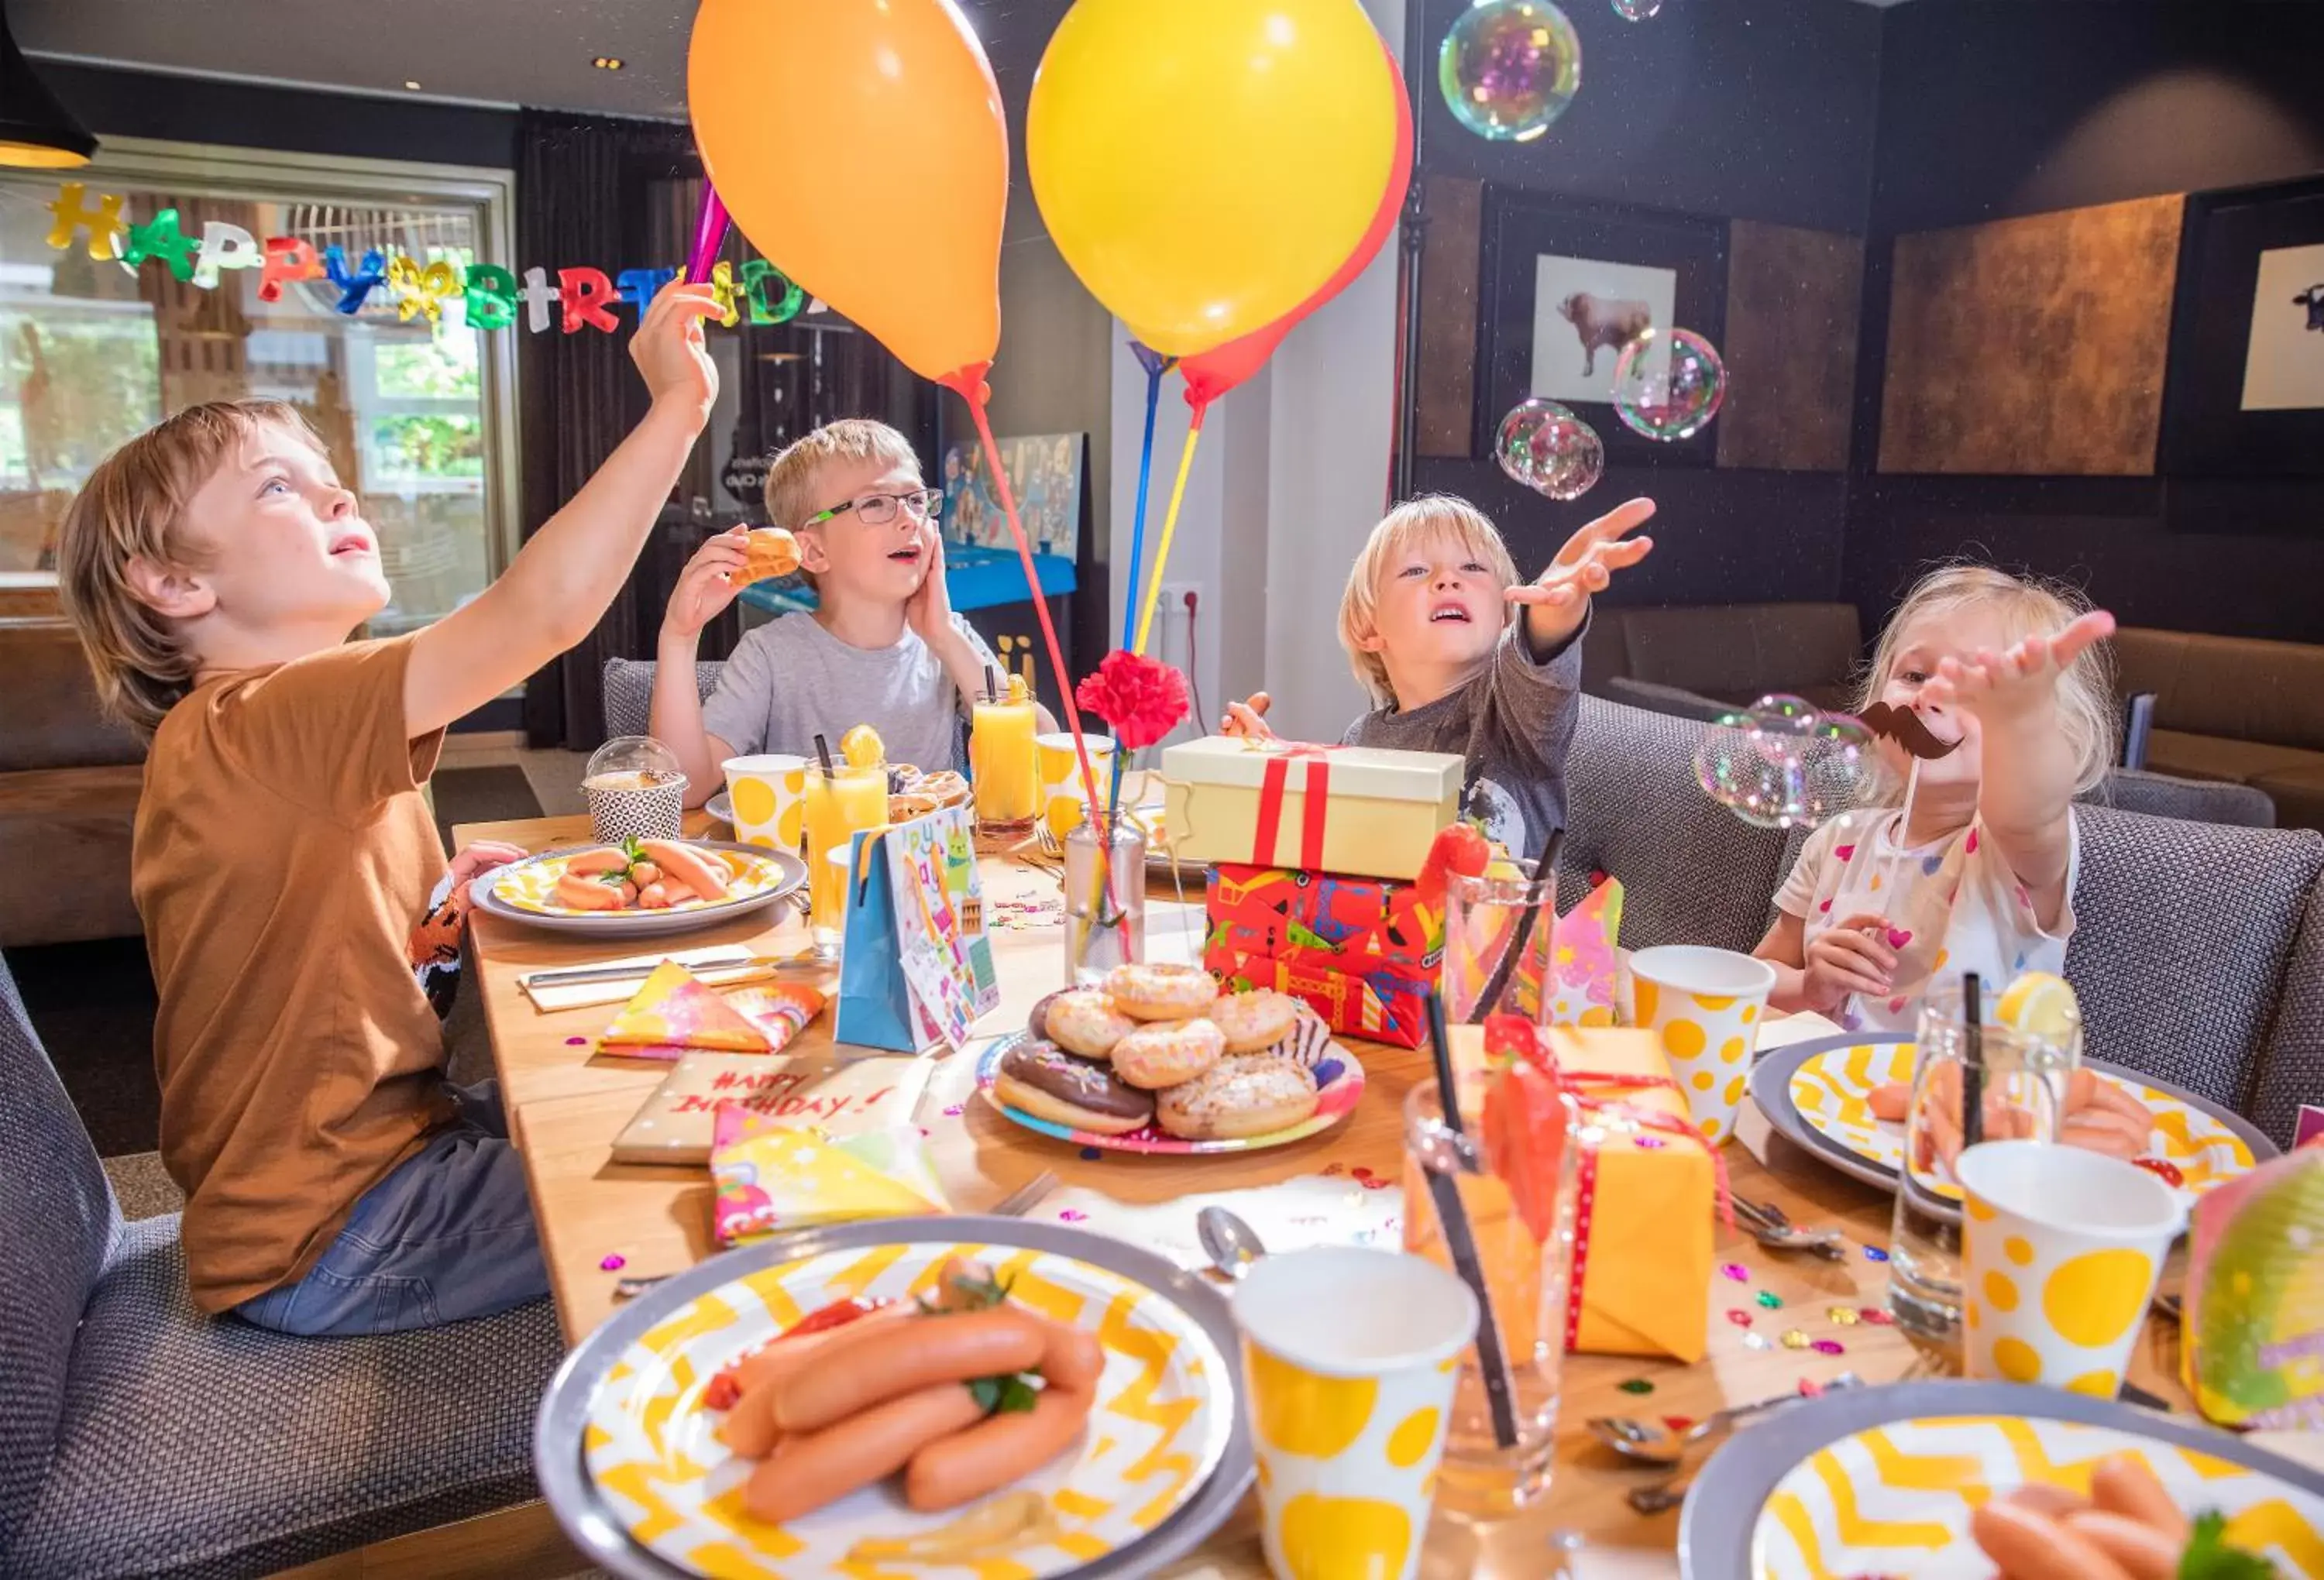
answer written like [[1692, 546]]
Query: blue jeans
[[448, 1235]]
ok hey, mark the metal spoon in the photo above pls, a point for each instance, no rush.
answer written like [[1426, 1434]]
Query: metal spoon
[[1231, 1244], [1657, 1443], [1768, 1226]]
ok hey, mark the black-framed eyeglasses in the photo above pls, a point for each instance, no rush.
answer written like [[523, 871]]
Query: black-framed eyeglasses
[[878, 509]]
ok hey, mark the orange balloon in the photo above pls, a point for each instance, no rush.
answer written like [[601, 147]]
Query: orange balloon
[[860, 145]]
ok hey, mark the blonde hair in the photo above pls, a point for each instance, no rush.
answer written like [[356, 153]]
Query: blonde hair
[[1408, 524], [134, 507], [2028, 606], [790, 475]]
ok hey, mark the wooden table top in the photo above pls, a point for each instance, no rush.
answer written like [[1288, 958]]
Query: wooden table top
[[565, 1105]]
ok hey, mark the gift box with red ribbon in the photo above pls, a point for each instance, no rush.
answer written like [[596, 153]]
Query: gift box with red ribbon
[[1362, 951], [1343, 809]]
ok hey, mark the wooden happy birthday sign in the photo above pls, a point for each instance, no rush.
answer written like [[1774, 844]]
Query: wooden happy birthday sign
[[486, 296]]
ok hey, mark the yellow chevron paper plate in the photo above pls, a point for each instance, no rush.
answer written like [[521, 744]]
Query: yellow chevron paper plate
[[1163, 1417], [532, 886], [1896, 1500], [1832, 1091]]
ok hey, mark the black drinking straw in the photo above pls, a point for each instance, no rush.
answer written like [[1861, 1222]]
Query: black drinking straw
[[992, 685], [822, 750], [1502, 973], [1972, 1061], [1501, 1394]]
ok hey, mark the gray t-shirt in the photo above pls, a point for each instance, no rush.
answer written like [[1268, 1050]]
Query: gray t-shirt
[[1513, 723], [790, 679]]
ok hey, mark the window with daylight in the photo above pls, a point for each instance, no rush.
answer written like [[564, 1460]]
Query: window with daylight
[[418, 417]]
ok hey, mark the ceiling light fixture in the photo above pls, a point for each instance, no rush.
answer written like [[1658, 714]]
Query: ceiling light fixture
[[607, 62], [36, 131]]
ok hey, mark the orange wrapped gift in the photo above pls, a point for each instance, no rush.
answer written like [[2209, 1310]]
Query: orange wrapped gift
[[1644, 1233]]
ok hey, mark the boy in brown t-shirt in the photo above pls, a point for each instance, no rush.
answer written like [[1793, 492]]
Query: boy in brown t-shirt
[[284, 857]]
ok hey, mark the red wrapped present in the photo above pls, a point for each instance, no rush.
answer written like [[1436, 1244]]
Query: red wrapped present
[[1362, 951]]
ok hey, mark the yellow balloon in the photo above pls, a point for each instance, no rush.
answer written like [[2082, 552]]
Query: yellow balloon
[[1205, 165], [860, 145]]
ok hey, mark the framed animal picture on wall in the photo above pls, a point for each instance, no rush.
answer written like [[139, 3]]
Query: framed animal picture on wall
[[2245, 392], [1566, 286]]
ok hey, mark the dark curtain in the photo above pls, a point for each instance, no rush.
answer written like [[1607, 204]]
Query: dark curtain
[[584, 197]]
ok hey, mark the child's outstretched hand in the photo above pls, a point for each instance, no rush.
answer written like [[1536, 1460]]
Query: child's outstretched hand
[[1558, 600], [707, 584], [1247, 721], [2005, 685], [670, 352]]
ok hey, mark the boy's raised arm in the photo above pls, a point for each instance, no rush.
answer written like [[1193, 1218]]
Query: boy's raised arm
[[556, 590]]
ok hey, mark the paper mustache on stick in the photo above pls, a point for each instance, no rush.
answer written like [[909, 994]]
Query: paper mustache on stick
[[1903, 725]]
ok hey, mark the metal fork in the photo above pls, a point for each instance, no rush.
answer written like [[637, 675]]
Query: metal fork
[[1016, 1203], [1767, 1224]]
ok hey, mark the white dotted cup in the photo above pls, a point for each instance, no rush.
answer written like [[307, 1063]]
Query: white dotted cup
[[1349, 1410], [632, 806], [2060, 1250], [768, 793], [1704, 1005]]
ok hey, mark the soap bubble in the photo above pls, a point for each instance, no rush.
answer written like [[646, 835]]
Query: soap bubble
[[1668, 384], [1785, 763], [1547, 448], [1508, 67], [1636, 10]]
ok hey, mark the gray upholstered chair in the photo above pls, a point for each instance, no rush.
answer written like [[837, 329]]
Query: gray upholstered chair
[[628, 692], [141, 1438], [2183, 944], [2211, 801], [1692, 871], [2292, 1072]]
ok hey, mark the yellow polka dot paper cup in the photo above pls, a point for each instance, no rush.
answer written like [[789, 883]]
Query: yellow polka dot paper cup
[[1064, 802], [1704, 1005], [768, 793], [2061, 1248], [1349, 1361]]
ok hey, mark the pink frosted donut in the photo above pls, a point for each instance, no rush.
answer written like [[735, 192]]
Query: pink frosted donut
[[1167, 1053], [1155, 993]]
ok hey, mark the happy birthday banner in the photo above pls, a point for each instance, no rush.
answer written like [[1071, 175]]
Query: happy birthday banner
[[486, 294]]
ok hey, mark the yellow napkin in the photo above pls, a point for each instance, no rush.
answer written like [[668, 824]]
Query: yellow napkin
[[776, 1177]]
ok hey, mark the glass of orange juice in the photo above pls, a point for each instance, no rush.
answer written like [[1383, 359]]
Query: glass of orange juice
[[841, 802], [1001, 761]]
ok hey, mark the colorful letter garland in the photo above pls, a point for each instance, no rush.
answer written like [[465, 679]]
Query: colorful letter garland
[[487, 295]]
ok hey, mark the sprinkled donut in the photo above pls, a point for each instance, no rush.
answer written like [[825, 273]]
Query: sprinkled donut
[[1256, 1020], [1085, 1021], [1159, 993], [1242, 1095], [1166, 1053]]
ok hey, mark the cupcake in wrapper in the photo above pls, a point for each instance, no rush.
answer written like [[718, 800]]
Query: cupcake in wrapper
[[635, 789]]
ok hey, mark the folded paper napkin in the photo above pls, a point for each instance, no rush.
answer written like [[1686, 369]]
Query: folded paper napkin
[[773, 1178], [716, 966], [674, 1012]]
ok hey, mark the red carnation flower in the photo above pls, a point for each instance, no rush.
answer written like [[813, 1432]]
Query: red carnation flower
[[1141, 697]]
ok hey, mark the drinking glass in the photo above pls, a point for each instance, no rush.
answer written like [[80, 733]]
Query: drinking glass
[[841, 802], [1527, 1281], [1989, 1082], [1500, 935]]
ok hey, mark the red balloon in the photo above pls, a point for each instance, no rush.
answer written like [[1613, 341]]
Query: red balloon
[[1219, 370]]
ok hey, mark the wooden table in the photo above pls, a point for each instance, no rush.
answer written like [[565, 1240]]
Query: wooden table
[[565, 1105]]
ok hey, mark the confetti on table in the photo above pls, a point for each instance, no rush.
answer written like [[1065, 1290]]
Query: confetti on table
[[1740, 1319], [1811, 1389], [1678, 1423], [1877, 1317], [1828, 1347], [953, 1112], [1770, 1300], [577, 1042], [1874, 1254], [1649, 1142], [1068, 1216], [1795, 1339], [1634, 1386], [1091, 1154], [1755, 1341], [1737, 1272], [614, 1264], [1845, 1316]]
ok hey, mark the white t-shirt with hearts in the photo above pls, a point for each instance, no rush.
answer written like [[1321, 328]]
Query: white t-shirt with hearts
[[1953, 906]]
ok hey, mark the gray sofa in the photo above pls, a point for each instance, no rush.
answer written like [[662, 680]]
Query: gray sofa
[[141, 1438]]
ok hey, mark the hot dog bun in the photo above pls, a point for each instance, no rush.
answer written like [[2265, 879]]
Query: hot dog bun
[[684, 865]]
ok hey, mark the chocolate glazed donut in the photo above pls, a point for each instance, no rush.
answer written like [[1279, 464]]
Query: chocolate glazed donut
[[1049, 1083]]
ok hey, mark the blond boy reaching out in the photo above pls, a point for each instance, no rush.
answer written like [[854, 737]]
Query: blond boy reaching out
[[1431, 622]]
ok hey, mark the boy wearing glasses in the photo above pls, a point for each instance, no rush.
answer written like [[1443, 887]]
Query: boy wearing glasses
[[882, 647]]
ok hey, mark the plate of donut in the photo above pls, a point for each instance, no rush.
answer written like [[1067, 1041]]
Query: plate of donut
[[1155, 1059]]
